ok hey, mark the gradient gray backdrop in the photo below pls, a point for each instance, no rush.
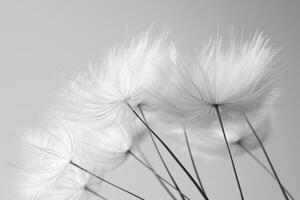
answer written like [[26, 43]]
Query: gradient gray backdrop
[[44, 42]]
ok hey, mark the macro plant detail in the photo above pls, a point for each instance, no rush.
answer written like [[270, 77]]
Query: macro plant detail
[[217, 103]]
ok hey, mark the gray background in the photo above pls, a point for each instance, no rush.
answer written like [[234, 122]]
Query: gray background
[[43, 42]]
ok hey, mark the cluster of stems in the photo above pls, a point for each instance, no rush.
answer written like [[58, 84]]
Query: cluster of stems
[[167, 185]]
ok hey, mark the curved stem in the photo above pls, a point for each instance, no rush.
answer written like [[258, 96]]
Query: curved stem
[[170, 152], [267, 157], [98, 177], [161, 158], [265, 168], [192, 159], [229, 151]]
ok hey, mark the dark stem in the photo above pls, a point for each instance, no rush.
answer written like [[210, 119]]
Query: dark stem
[[229, 151], [149, 166], [264, 167], [162, 180], [94, 193], [161, 157], [267, 157], [98, 177], [192, 159], [170, 152]]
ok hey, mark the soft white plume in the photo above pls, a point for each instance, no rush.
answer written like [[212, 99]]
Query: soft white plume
[[46, 154], [129, 74], [238, 78], [102, 148]]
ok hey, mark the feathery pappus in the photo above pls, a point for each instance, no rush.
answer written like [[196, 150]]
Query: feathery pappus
[[45, 168], [128, 75], [238, 78], [46, 153]]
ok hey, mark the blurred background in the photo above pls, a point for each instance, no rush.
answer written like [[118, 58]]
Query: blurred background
[[42, 43]]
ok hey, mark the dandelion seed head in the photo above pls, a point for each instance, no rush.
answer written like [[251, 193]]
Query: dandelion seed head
[[127, 76], [46, 153], [238, 79]]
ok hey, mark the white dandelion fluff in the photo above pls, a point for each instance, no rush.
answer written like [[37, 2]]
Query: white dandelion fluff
[[219, 87], [75, 184], [104, 147], [128, 75], [46, 154], [51, 166], [237, 78]]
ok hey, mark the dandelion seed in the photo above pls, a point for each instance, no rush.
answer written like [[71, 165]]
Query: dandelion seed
[[46, 155], [220, 86], [54, 162], [239, 79], [128, 75]]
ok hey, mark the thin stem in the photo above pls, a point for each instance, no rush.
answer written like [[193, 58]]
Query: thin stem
[[229, 151], [264, 167], [267, 157], [161, 158], [148, 164], [160, 178], [192, 159], [170, 152], [94, 193], [98, 177]]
